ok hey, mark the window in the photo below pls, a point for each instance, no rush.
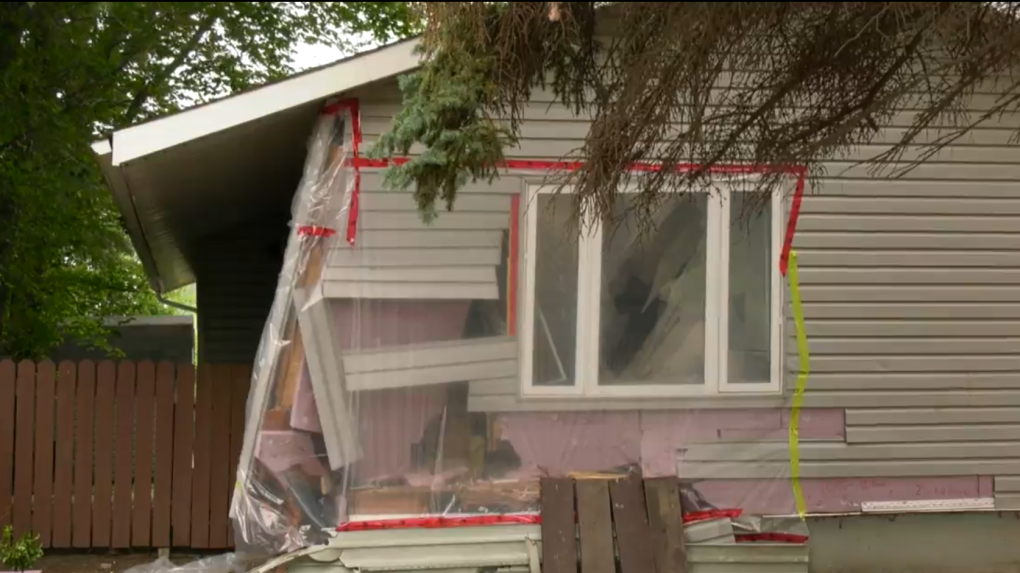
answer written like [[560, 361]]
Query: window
[[692, 308]]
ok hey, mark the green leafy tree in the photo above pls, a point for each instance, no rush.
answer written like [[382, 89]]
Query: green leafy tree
[[72, 70], [703, 83]]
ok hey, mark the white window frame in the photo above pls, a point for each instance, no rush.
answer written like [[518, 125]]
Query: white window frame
[[588, 313]]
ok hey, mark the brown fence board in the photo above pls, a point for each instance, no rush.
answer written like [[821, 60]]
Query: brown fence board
[[632, 533], [85, 399], [559, 539], [184, 436], [164, 454], [145, 417], [219, 481], [595, 526], [238, 401], [64, 463], [665, 521], [24, 448], [8, 382], [123, 460], [102, 496], [202, 450], [42, 498]]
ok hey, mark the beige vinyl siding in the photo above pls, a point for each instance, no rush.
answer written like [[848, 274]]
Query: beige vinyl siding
[[911, 292]]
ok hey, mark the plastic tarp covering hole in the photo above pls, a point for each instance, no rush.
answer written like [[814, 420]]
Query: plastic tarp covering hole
[[386, 333]]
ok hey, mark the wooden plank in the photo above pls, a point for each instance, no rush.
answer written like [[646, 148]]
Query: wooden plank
[[164, 454], [64, 463], [200, 477], [42, 497], [665, 520], [219, 469], [559, 537], [595, 526], [184, 436], [145, 414], [85, 400], [102, 502], [124, 459], [8, 383], [24, 446], [238, 400], [633, 536]]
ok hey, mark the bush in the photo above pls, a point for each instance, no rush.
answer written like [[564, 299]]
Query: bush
[[21, 554]]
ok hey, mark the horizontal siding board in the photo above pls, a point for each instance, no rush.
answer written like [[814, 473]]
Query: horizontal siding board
[[865, 188], [909, 328], [1007, 502], [1007, 484], [919, 223], [433, 375], [427, 238], [960, 363], [914, 381], [910, 278], [918, 416], [404, 202], [913, 206], [468, 256], [444, 220], [907, 258], [892, 241], [479, 274], [897, 345], [495, 387], [747, 553], [411, 291], [810, 451], [929, 433], [427, 355], [910, 293], [889, 311], [812, 399], [849, 469]]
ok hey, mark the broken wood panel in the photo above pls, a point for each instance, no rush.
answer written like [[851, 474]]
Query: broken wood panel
[[62, 484], [665, 520], [633, 536], [559, 537], [595, 526]]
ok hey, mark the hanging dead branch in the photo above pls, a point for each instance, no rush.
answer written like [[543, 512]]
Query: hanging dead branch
[[699, 84]]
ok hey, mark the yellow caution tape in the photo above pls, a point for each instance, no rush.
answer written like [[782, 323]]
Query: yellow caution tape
[[798, 397]]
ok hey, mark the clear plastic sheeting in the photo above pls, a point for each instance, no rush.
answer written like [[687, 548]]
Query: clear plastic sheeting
[[224, 563], [411, 370]]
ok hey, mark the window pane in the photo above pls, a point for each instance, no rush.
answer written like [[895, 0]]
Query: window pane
[[555, 331], [652, 312], [750, 271]]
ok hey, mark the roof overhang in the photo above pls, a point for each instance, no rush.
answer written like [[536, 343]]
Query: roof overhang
[[180, 179]]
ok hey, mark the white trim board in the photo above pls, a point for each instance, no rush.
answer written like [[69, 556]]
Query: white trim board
[[147, 138]]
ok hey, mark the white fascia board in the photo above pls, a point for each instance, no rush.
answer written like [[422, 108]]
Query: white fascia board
[[147, 138]]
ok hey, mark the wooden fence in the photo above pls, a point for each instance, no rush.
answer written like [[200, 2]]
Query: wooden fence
[[120, 454]]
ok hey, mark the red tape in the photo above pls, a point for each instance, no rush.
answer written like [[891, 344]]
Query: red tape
[[696, 516], [315, 231], [440, 522], [791, 224], [772, 537]]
